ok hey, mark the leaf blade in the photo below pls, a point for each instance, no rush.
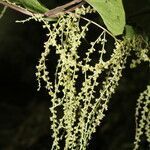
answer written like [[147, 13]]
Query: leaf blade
[[112, 13]]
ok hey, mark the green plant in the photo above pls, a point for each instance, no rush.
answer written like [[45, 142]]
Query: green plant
[[83, 107]]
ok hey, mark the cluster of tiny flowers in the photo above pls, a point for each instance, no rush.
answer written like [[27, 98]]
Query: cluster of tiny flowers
[[142, 117], [82, 87], [65, 36], [78, 105], [142, 51]]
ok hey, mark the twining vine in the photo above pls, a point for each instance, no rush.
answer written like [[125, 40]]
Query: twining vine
[[83, 107]]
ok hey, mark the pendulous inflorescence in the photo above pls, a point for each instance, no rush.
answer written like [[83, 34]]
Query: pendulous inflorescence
[[82, 87]]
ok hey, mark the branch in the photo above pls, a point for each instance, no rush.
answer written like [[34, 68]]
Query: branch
[[74, 7], [62, 8], [68, 7], [17, 8]]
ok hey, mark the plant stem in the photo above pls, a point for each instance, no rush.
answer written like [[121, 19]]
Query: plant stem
[[63, 8], [17, 8], [51, 13]]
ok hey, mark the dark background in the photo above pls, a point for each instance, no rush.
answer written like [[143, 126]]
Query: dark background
[[24, 112]]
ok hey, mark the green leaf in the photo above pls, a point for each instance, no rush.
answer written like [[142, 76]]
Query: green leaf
[[31, 5], [130, 32], [112, 13]]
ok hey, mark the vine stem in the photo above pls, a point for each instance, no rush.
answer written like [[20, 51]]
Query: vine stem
[[62, 8], [55, 12], [51, 13], [76, 6], [17, 8]]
